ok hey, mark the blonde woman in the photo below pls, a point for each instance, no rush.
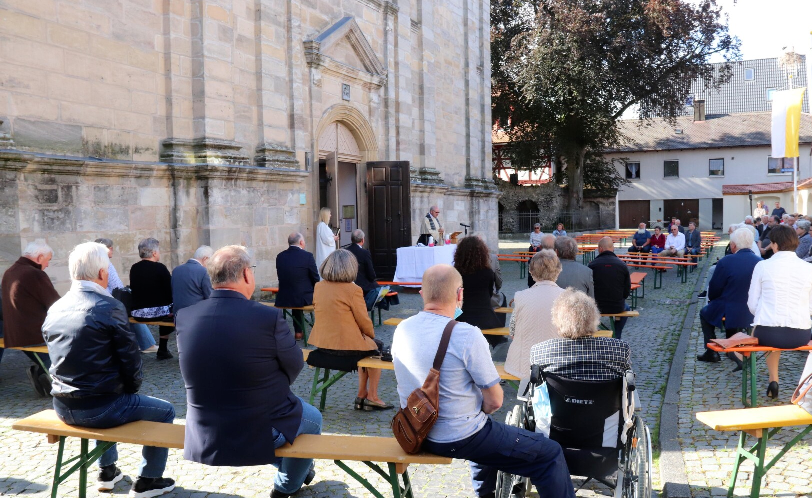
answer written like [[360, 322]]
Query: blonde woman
[[325, 240], [343, 331]]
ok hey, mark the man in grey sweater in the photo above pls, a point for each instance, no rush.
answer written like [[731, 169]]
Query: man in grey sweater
[[190, 281], [573, 274]]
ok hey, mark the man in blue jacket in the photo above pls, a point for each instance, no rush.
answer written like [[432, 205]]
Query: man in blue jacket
[[238, 360], [190, 281], [297, 274], [727, 292]]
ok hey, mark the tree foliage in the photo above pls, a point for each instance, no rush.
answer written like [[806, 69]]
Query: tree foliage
[[564, 72]]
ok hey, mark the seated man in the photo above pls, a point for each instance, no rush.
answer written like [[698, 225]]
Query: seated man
[[96, 369], [728, 291], [674, 243], [573, 274], [693, 239], [27, 295], [190, 281], [366, 278], [641, 240], [613, 283], [238, 360], [469, 392], [297, 274]]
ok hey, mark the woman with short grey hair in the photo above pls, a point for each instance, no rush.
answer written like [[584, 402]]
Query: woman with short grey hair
[[804, 239], [151, 285], [577, 354], [146, 343]]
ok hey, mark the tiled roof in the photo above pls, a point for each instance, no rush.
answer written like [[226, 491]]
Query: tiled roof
[[737, 130], [763, 188]]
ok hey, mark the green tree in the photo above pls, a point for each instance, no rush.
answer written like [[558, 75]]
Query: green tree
[[565, 71]]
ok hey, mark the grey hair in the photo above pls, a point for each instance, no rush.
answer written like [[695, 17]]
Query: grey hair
[[108, 243], [357, 236], [566, 248], [339, 266], [545, 266], [748, 218], [742, 237], [732, 228], [548, 241], [203, 252], [803, 225], [294, 238], [575, 314], [37, 248], [227, 264], [86, 260], [785, 216], [147, 247]]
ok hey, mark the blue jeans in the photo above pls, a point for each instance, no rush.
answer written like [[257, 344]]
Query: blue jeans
[[370, 298], [142, 335], [620, 323], [518, 451], [691, 250], [126, 408], [292, 471]]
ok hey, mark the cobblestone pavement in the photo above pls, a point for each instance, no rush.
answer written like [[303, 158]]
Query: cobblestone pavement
[[708, 454], [26, 460]]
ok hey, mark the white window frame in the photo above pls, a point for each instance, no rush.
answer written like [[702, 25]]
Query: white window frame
[[779, 173], [710, 174], [626, 169]]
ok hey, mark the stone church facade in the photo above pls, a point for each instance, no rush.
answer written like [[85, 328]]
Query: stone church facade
[[234, 121]]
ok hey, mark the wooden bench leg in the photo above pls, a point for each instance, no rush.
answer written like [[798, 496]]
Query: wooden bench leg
[[658, 273], [321, 385], [83, 461], [757, 453], [391, 477], [749, 377]]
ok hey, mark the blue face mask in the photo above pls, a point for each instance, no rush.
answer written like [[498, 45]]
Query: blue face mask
[[457, 312]]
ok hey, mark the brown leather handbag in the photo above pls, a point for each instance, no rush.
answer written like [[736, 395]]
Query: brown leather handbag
[[412, 424]]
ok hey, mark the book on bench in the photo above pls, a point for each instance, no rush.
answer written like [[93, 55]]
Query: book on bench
[[737, 339]]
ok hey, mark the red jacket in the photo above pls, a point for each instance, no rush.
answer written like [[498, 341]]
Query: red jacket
[[27, 295], [658, 241]]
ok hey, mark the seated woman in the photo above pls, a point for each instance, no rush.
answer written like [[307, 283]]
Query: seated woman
[[559, 231], [343, 331], [151, 285], [535, 238], [576, 354], [478, 279], [657, 240], [530, 321]]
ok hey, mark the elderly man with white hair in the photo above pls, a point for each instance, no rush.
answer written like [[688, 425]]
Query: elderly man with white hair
[[728, 291], [190, 281], [96, 369], [431, 226], [27, 294], [804, 239]]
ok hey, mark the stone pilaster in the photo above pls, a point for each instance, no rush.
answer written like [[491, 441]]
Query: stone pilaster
[[202, 151], [276, 156]]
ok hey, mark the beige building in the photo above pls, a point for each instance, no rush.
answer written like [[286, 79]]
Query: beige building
[[233, 121]]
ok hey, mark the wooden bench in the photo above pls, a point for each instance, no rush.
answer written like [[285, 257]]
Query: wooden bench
[[497, 331], [522, 260], [32, 349], [388, 295], [658, 271], [339, 448], [613, 316], [749, 366], [288, 311], [762, 424], [158, 323], [682, 263], [322, 383]]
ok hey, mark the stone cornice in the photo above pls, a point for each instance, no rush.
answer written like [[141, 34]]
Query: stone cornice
[[27, 162], [316, 48]]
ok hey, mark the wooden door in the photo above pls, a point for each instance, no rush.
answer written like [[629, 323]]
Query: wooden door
[[632, 213], [390, 221], [684, 209]]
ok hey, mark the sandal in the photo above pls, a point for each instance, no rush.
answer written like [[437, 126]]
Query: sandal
[[371, 405], [359, 403]]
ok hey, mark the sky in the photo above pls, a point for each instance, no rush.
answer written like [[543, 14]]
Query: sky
[[765, 26]]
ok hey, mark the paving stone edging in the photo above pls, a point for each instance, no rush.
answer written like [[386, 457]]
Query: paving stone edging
[[672, 466]]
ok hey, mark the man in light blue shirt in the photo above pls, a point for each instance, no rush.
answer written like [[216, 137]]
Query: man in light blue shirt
[[469, 392]]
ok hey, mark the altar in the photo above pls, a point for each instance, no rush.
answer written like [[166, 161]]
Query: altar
[[413, 261]]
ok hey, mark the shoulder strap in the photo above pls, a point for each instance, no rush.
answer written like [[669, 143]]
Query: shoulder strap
[[440, 356]]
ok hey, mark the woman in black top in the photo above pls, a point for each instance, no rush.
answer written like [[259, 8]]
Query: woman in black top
[[478, 279], [151, 285]]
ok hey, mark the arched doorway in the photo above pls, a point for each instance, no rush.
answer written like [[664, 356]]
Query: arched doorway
[[339, 160], [527, 215]]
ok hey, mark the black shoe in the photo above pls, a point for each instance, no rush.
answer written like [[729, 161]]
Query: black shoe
[[702, 294], [45, 382], [108, 477], [33, 377], [163, 354], [359, 404], [147, 487], [772, 390], [709, 356]]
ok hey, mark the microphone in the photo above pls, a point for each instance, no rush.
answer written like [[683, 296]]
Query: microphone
[[464, 225]]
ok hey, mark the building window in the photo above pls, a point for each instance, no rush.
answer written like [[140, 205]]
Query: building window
[[779, 165], [770, 92], [749, 74], [716, 167], [632, 171], [671, 169]]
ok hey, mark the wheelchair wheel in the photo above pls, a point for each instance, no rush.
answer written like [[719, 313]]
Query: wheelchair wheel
[[634, 474], [509, 485]]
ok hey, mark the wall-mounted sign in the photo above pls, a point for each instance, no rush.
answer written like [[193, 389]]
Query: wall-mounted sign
[[348, 225], [345, 91]]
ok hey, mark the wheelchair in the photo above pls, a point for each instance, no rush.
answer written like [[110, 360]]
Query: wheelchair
[[595, 424]]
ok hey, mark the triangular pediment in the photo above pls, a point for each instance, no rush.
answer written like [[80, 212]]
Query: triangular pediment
[[344, 42]]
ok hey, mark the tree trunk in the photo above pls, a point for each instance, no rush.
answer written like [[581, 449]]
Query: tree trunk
[[575, 182]]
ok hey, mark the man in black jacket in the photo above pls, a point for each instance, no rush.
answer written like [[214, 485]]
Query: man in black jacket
[[96, 369], [297, 274], [612, 282], [366, 278]]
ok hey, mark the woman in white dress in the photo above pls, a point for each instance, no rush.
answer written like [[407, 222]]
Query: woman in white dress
[[325, 240]]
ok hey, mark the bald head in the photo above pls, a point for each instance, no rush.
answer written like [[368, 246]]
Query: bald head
[[440, 284], [606, 244]]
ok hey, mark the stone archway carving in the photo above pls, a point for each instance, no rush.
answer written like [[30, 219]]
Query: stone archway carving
[[358, 126]]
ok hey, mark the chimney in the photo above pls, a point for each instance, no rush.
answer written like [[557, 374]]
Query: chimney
[[699, 110]]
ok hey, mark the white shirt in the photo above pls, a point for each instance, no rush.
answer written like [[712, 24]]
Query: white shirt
[[781, 292], [678, 242], [325, 243]]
